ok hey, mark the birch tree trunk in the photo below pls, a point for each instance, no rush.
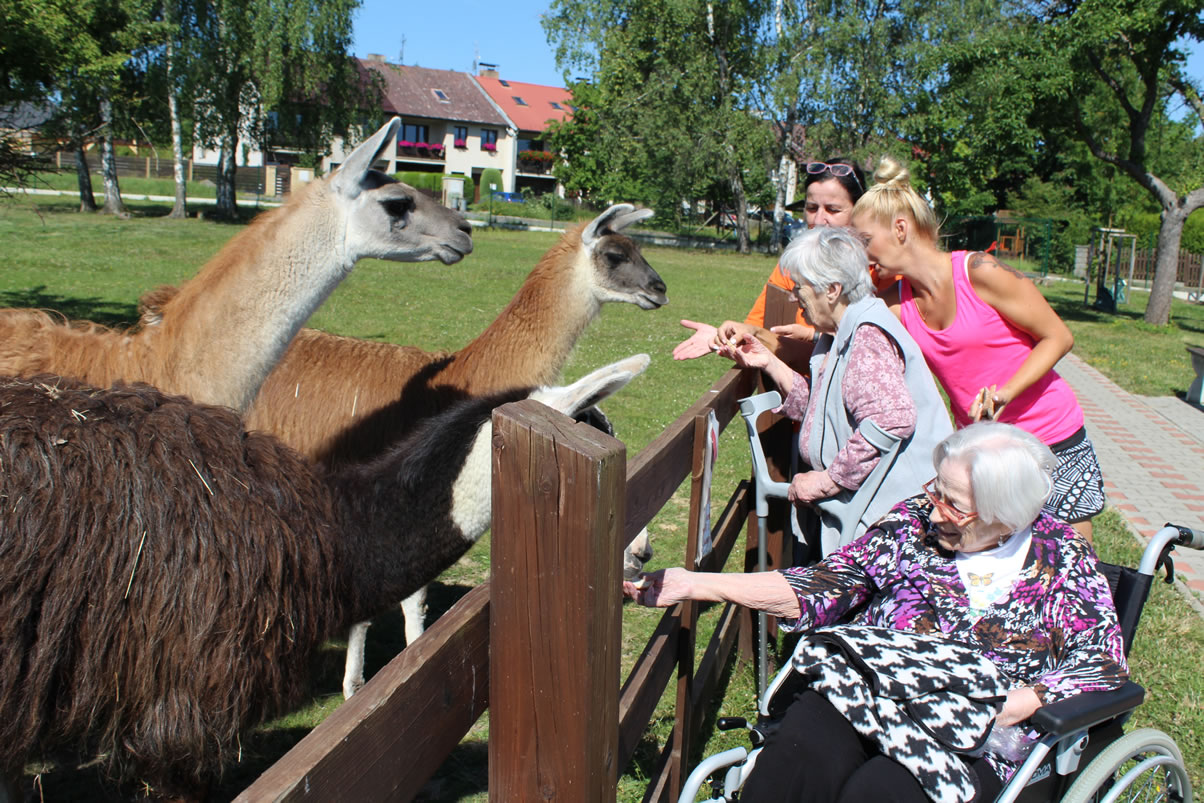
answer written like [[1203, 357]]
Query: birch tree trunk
[[87, 201], [108, 164], [180, 207], [227, 205]]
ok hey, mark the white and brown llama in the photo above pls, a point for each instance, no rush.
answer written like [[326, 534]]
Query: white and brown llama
[[337, 398], [217, 338], [165, 575]]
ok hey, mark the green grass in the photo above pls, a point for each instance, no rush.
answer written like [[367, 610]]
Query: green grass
[[95, 267], [1141, 358]]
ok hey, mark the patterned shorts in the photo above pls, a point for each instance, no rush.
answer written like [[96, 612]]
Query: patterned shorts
[[1078, 485]]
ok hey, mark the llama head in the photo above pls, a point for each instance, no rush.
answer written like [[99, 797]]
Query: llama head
[[619, 271], [472, 490], [386, 219]]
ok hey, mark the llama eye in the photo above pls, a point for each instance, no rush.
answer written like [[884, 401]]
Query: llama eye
[[397, 207], [614, 258]]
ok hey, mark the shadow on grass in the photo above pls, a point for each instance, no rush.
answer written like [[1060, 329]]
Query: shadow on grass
[[96, 310]]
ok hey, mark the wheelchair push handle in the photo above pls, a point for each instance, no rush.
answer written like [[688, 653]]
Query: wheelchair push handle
[[1187, 536]]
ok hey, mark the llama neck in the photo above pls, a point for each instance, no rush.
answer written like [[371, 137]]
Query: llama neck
[[246, 304], [409, 515], [533, 336]]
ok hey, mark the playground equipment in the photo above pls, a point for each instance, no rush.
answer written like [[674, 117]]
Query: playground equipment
[[1026, 240], [1108, 252]]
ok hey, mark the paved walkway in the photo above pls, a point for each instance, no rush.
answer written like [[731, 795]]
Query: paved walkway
[[1151, 450]]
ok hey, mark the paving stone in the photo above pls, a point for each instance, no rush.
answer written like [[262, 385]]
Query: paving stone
[[1151, 451]]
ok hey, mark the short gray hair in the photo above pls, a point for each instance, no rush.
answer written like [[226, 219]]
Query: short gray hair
[[1011, 471], [827, 255]]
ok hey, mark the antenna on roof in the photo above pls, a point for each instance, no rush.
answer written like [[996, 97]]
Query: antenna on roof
[[401, 57], [476, 57]]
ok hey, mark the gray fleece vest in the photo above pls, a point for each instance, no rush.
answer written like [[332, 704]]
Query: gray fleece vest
[[905, 465]]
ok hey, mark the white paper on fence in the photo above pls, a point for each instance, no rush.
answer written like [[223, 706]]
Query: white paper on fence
[[709, 456]]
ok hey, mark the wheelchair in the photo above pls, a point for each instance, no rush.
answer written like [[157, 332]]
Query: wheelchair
[[1082, 755]]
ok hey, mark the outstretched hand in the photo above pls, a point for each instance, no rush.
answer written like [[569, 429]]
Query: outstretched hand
[[698, 344], [660, 589]]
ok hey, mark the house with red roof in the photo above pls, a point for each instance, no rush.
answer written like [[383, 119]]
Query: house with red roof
[[531, 107]]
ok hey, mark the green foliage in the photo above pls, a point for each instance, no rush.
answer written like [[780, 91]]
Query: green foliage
[[1053, 200], [491, 175], [421, 180]]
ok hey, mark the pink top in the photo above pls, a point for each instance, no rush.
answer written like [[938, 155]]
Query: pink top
[[980, 348], [873, 387]]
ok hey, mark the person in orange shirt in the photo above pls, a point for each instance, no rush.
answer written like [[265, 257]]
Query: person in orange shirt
[[831, 189]]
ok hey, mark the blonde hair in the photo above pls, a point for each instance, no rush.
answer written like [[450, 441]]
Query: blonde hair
[[892, 196]]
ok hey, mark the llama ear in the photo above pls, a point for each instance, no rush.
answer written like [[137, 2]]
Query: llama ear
[[623, 221], [349, 179], [594, 387], [603, 224]]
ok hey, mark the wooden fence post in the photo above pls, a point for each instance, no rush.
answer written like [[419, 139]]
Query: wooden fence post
[[555, 615]]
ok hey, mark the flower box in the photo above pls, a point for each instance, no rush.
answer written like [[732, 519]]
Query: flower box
[[489, 146], [404, 143], [460, 143], [422, 146]]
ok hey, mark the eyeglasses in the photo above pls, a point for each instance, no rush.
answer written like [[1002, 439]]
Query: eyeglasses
[[958, 517], [838, 170]]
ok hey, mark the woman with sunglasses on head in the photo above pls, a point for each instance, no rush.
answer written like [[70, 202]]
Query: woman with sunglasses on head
[[990, 337], [831, 190], [974, 559]]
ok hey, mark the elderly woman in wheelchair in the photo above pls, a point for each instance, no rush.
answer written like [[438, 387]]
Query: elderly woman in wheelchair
[[970, 608]]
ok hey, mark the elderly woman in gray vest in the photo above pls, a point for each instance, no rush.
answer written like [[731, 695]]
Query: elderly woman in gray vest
[[870, 412]]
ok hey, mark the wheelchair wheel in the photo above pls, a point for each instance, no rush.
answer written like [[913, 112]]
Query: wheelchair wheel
[[1144, 764]]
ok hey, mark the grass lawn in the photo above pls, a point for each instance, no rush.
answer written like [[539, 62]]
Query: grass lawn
[[1141, 358], [95, 268]]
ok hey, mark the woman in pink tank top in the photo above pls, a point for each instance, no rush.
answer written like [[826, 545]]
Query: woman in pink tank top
[[989, 336]]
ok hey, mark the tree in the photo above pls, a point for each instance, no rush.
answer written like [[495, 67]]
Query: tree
[[665, 117], [1131, 54], [269, 69]]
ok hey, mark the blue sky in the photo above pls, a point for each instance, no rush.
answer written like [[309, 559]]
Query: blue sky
[[444, 35]]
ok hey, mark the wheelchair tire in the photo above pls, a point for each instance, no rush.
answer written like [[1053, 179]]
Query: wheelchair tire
[[1106, 777]]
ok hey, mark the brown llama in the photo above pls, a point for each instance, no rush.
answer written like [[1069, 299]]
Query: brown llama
[[165, 575], [218, 337], [336, 398]]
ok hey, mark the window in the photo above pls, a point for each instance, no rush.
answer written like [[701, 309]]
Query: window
[[556, 105], [412, 134], [441, 96], [504, 83], [519, 100], [488, 139], [461, 136]]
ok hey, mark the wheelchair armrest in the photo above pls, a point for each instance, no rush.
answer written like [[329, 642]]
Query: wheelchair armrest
[[1084, 710]]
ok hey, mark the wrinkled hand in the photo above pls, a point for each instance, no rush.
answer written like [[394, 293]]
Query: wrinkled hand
[[698, 344], [988, 404], [660, 589], [730, 332], [747, 351], [810, 486], [795, 331], [1022, 703]]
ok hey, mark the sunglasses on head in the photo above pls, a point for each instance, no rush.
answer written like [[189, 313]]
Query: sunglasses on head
[[838, 170], [958, 517]]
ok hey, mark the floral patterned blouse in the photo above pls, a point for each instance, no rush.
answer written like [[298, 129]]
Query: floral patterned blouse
[[1056, 631]]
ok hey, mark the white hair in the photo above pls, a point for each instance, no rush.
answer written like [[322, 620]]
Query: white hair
[[1011, 471], [827, 255]]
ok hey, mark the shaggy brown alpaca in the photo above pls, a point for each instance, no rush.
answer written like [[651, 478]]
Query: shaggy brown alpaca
[[165, 575], [219, 336]]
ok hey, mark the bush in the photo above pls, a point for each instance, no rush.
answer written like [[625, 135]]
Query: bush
[[491, 175]]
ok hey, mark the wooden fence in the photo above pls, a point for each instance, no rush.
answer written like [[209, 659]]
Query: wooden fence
[[539, 645], [1190, 271]]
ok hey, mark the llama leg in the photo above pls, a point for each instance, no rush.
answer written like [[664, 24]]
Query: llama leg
[[413, 608], [353, 676]]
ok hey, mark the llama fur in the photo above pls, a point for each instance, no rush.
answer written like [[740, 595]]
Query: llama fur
[[165, 575]]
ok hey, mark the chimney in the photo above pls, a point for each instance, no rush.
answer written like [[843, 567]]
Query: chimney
[[488, 70], [376, 57]]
